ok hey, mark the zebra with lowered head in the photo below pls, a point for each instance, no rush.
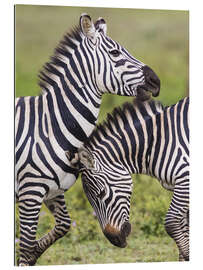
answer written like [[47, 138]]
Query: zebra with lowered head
[[140, 138], [86, 64]]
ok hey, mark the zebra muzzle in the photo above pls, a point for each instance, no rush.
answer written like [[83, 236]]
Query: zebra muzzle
[[152, 83], [126, 229], [118, 237]]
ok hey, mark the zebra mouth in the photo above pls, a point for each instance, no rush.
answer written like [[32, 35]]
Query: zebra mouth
[[148, 88], [145, 91], [143, 94], [118, 238]]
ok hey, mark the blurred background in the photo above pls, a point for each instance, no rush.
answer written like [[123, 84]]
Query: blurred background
[[160, 39]]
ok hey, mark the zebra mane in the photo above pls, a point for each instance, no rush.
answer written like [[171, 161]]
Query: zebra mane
[[64, 47], [112, 124]]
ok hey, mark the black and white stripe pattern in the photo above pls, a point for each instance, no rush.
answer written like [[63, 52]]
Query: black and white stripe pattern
[[86, 64], [140, 138]]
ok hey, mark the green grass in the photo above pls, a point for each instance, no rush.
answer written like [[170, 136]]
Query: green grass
[[159, 39]]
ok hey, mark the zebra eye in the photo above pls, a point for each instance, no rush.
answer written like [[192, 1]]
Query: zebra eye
[[102, 194], [115, 53]]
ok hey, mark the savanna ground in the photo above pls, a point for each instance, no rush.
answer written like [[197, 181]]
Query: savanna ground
[[157, 38]]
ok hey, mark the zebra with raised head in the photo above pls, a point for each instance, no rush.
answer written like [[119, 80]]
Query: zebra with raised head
[[85, 65], [140, 138]]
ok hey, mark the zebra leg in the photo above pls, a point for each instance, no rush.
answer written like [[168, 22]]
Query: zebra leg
[[177, 221], [29, 209], [57, 206], [185, 229]]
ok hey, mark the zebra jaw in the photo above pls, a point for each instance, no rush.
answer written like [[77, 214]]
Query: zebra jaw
[[140, 93], [134, 89]]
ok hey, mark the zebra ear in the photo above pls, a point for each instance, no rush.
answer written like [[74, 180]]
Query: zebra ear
[[86, 158], [101, 26], [87, 26]]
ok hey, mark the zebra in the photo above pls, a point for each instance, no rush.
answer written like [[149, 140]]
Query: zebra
[[140, 138], [86, 64]]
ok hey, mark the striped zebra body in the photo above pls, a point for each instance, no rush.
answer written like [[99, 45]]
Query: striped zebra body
[[86, 64], [40, 143], [140, 138]]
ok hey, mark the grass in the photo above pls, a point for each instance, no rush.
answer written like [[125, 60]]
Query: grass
[[158, 38]]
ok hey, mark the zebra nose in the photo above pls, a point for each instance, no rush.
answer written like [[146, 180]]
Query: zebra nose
[[115, 239], [152, 81], [115, 236], [126, 228]]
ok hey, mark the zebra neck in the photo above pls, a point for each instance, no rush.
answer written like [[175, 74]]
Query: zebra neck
[[160, 130], [72, 115], [136, 148], [143, 154]]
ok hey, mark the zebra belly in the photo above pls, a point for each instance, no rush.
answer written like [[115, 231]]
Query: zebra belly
[[65, 183], [166, 185], [53, 193]]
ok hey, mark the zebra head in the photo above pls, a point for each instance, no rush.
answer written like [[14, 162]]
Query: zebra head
[[114, 70], [108, 189]]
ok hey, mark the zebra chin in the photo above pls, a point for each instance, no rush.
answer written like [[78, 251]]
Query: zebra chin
[[116, 237]]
